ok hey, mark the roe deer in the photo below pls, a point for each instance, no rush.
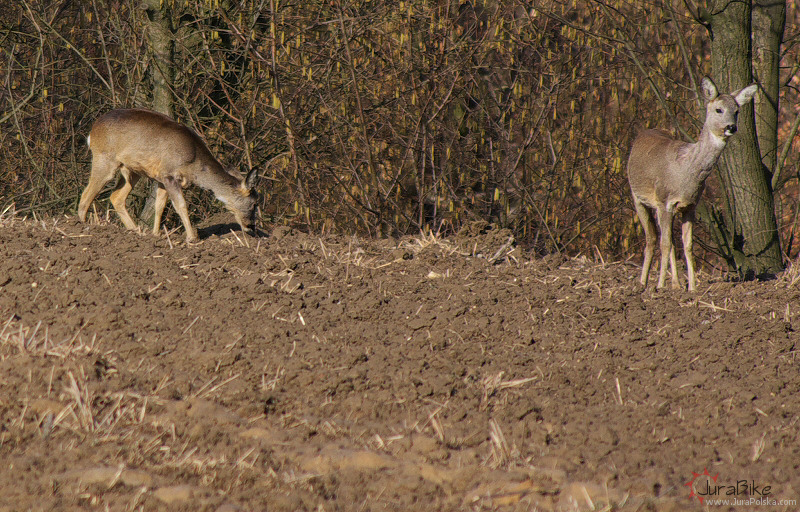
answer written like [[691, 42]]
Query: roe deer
[[668, 176], [139, 142]]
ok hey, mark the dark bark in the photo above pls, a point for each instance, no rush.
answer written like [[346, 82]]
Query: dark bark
[[769, 20], [750, 217], [161, 43]]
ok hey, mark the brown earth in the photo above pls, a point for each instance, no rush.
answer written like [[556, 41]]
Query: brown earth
[[298, 372]]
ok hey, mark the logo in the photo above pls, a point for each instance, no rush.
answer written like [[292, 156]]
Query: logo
[[704, 485], [691, 484]]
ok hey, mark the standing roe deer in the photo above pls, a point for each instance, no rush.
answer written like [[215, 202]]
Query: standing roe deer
[[668, 176], [142, 142]]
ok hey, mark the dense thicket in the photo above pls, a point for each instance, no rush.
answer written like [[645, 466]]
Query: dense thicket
[[374, 116]]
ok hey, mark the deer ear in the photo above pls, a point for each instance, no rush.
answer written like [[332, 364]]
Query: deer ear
[[251, 179], [709, 89], [742, 96]]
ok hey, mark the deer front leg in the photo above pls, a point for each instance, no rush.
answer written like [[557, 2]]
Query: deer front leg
[[673, 266], [667, 249], [687, 226], [160, 204], [173, 187]]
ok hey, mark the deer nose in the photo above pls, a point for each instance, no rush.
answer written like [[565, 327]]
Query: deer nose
[[731, 128]]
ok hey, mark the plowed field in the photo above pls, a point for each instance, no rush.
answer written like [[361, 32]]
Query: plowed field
[[298, 372]]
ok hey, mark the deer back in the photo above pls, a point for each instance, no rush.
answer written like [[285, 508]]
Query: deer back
[[152, 144]]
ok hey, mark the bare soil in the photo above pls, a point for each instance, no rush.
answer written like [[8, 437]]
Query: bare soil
[[299, 372]]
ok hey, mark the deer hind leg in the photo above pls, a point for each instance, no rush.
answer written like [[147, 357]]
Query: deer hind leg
[[173, 187], [646, 218], [103, 170], [667, 248], [687, 225], [120, 195], [160, 204]]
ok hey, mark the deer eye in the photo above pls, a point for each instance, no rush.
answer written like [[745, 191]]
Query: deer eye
[[719, 110]]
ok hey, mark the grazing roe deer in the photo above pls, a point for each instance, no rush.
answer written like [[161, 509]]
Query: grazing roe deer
[[139, 142], [668, 176]]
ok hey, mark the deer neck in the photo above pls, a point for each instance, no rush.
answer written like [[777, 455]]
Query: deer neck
[[216, 179], [701, 156]]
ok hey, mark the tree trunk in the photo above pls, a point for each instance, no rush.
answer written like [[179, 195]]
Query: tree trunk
[[750, 217], [162, 72], [769, 20]]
